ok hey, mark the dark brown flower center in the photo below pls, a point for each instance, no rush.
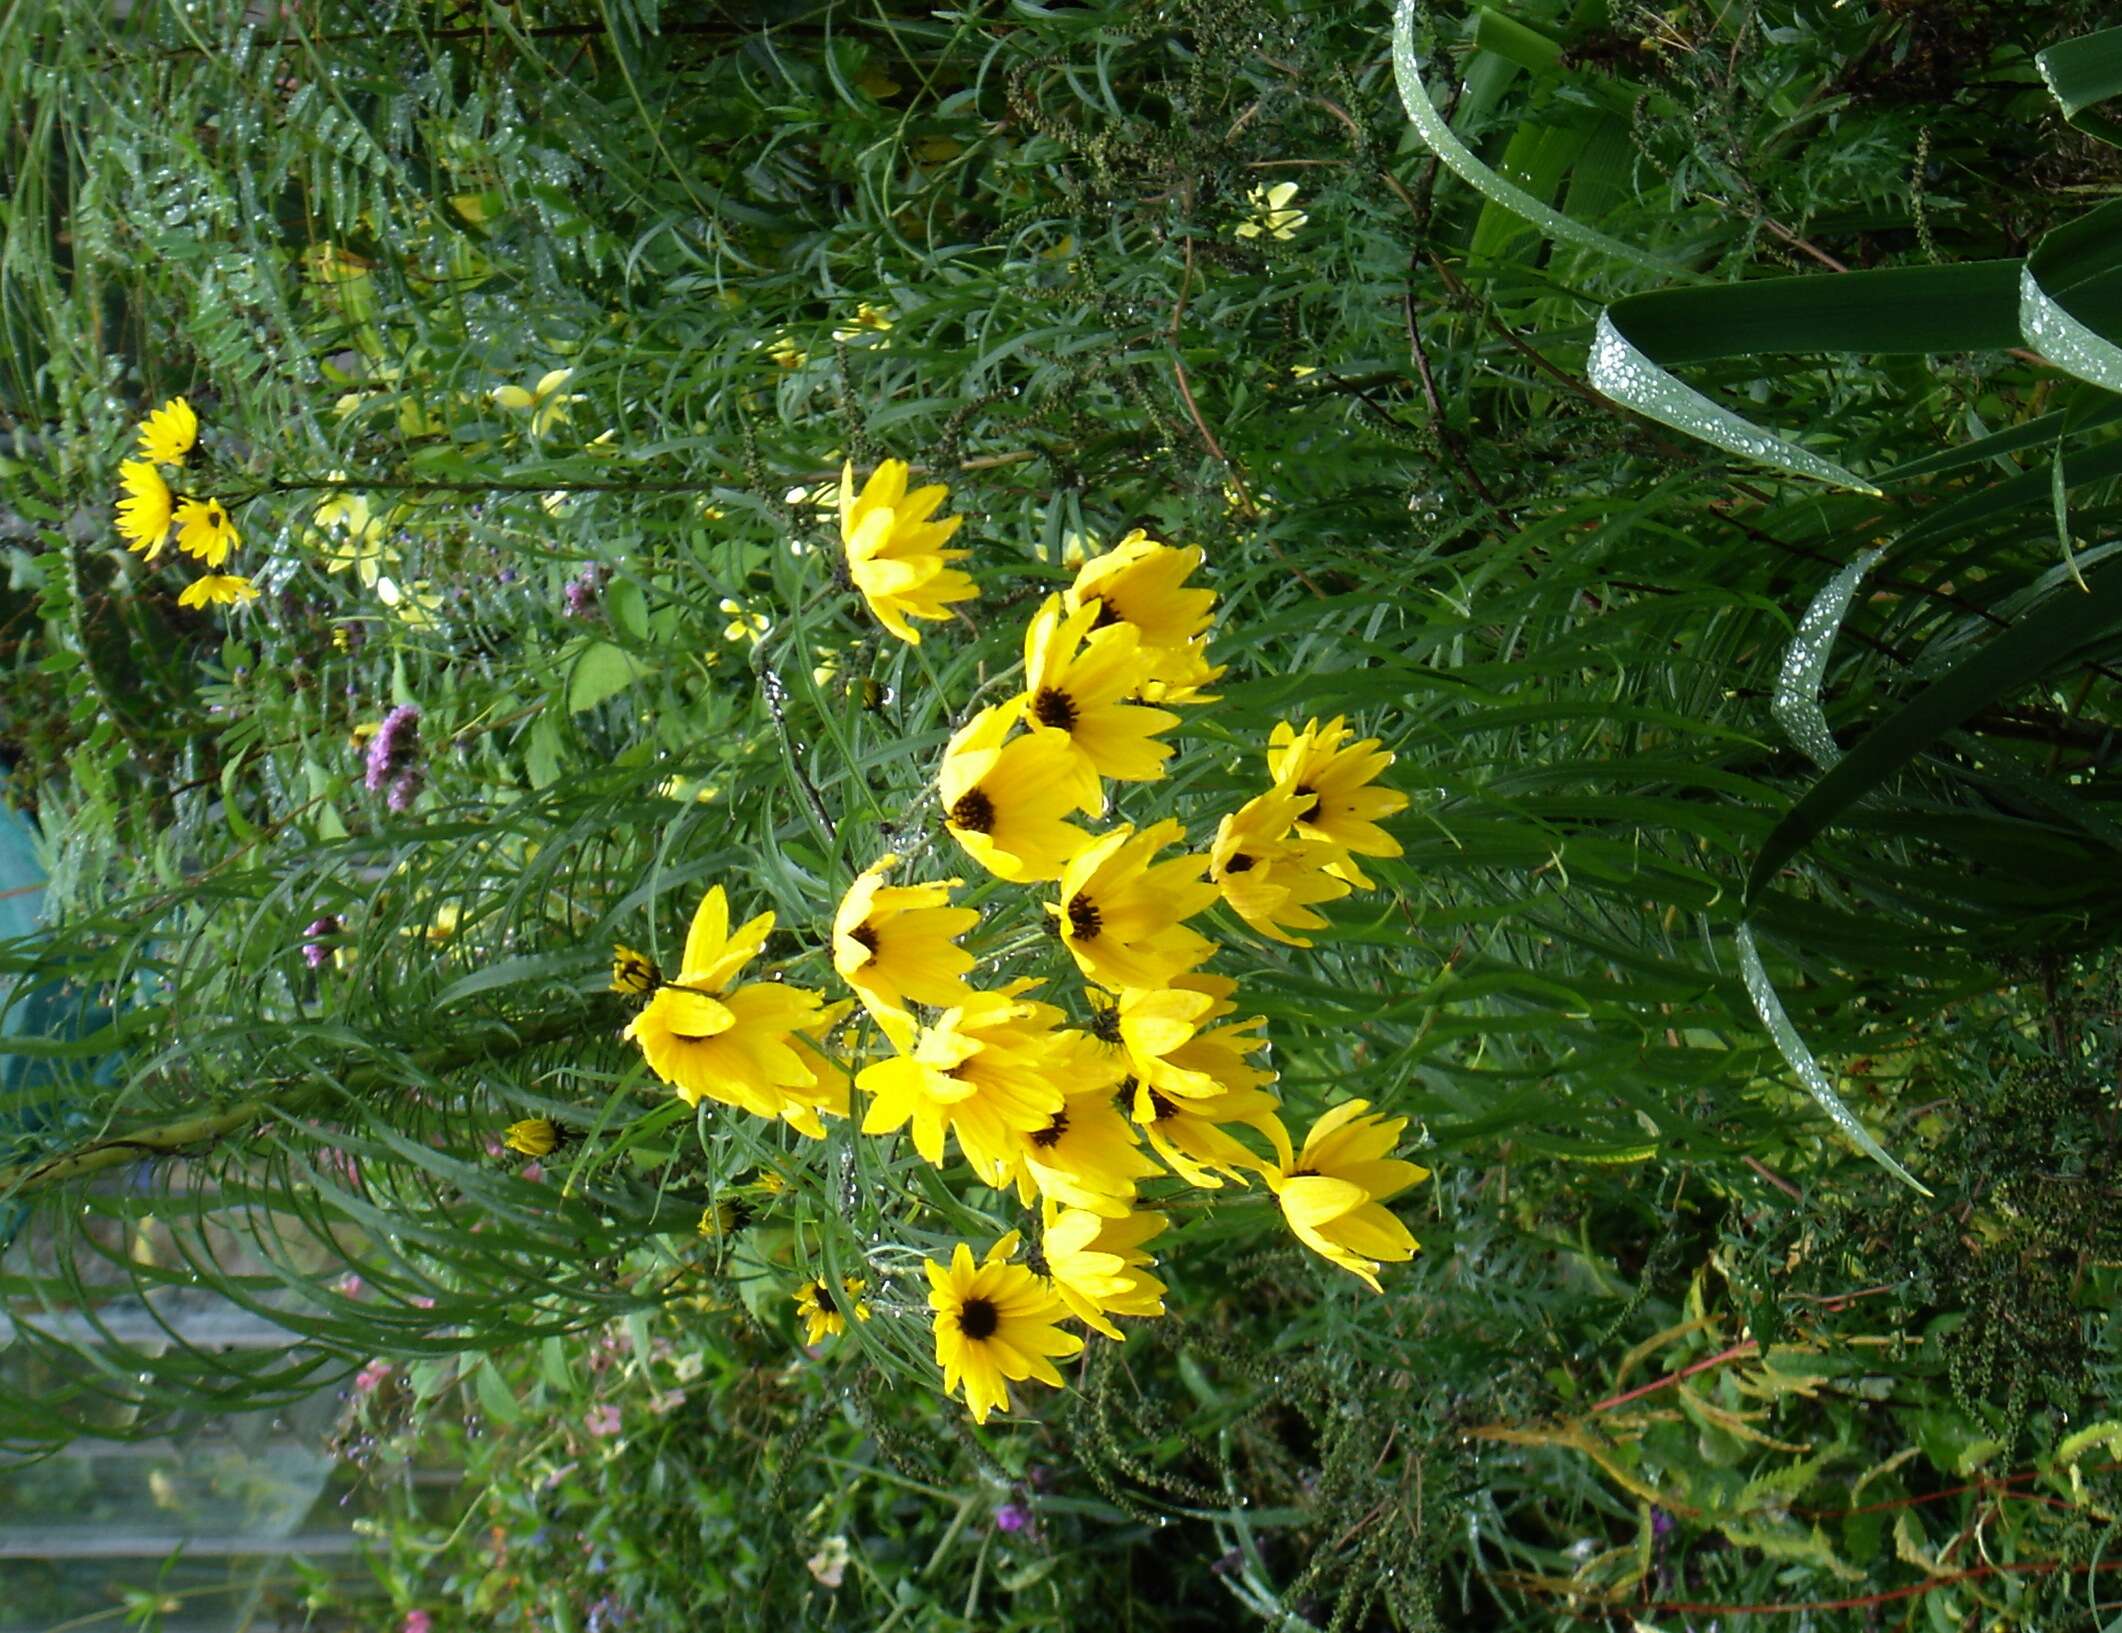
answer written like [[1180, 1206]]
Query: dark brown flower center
[[1051, 1134], [1306, 791], [978, 1318], [1084, 918], [822, 1296], [974, 812], [1241, 863], [865, 935], [1054, 708], [1160, 1109], [1106, 616], [1035, 1262], [1105, 1022], [1124, 1095], [215, 515]]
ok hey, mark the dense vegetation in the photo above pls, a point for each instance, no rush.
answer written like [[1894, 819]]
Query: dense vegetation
[[1684, 435]]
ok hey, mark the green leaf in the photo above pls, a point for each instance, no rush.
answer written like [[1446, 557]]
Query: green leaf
[[1799, 1058], [2070, 297], [1897, 310], [1461, 161], [494, 1395], [2045, 639], [2083, 73], [601, 673]]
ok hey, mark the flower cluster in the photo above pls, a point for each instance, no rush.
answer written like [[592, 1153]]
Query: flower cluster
[[150, 508], [1156, 1078], [394, 757]]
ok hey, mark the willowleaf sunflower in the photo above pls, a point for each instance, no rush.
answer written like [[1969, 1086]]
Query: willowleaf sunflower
[[894, 943], [982, 1072], [533, 1137], [217, 589], [1006, 800], [1331, 1192], [168, 434], [1338, 776], [1094, 1268], [546, 400], [1192, 1138], [204, 530], [1270, 878], [825, 1312], [995, 1324], [144, 513], [1120, 913], [1078, 683], [1086, 1156], [749, 1047], [1142, 583], [895, 553]]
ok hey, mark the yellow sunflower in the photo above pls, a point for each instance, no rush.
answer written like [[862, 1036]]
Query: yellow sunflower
[[995, 1323], [1120, 914], [1007, 800], [144, 512], [1331, 1191], [1094, 1266], [1077, 685], [1271, 879], [217, 589], [1142, 582], [167, 434], [825, 1312], [204, 530], [533, 1137], [981, 1072], [895, 553], [1321, 763], [894, 943]]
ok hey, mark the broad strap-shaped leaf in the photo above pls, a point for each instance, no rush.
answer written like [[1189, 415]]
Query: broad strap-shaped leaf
[[2047, 638], [1801, 1062], [2082, 75], [1463, 163], [1969, 307], [2070, 297]]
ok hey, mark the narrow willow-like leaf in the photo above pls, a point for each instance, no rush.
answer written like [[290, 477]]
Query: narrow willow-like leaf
[[2043, 640], [1800, 1060], [1462, 162], [2083, 73], [1796, 705]]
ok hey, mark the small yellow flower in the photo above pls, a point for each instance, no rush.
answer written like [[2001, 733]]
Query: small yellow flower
[[1142, 582], [868, 319], [1331, 1192], [825, 1312], [217, 589], [634, 975], [895, 553], [994, 1322], [1272, 213], [784, 353], [743, 1047], [545, 400], [534, 1136], [725, 1218], [169, 432], [144, 512], [1094, 1266], [981, 1072], [353, 534], [204, 530], [414, 604], [742, 625]]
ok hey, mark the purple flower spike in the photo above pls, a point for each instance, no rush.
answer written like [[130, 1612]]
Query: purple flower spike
[[391, 750], [406, 789], [1013, 1517], [316, 950]]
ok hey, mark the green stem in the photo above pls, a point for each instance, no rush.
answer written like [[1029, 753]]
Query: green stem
[[286, 1097]]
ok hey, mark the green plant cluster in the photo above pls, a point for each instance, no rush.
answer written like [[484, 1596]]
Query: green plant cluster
[[1685, 435]]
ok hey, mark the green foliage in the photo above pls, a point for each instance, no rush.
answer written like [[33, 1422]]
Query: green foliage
[[1403, 437]]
